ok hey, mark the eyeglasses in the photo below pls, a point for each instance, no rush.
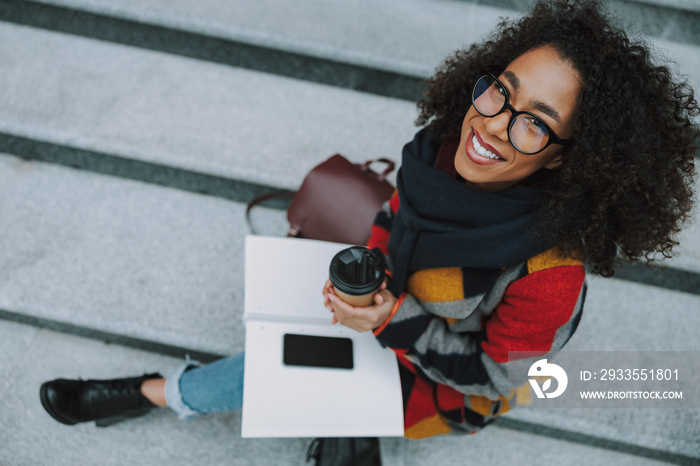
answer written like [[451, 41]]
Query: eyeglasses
[[526, 131]]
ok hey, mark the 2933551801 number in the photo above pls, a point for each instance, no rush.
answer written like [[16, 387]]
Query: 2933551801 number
[[639, 374]]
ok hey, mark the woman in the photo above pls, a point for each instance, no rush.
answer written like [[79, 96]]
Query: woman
[[554, 144]]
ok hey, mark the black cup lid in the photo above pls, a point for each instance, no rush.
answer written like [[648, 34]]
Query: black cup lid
[[357, 271]]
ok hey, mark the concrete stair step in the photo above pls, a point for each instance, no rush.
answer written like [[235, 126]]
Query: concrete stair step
[[682, 5], [30, 436], [675, 20], [172, 111], [406, 37], [124, 257], [409, 37], [154, 264]]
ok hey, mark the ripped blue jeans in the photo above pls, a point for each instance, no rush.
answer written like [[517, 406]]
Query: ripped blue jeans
[[193, 389]]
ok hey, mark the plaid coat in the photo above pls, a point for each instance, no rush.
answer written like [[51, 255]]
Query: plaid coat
[[453, 343]]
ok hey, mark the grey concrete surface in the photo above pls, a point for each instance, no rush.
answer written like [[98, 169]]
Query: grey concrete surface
[[495, 446], [14, 340], [186, 113], [418, 33], [124, 256], [30, 437], [689, 239], [167, 266], [410, 36], [689, 5], [623, 316]]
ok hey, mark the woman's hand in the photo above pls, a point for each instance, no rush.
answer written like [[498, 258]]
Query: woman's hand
[[362, 319]]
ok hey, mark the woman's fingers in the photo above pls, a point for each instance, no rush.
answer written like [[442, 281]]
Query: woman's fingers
[[327, 287], [379, 299], [327, 291], [342, 309], [339, 304]]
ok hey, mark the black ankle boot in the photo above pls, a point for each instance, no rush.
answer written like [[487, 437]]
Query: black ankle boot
[[104, 401]]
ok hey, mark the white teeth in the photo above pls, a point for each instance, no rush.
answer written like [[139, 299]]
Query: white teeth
[[481, 150]]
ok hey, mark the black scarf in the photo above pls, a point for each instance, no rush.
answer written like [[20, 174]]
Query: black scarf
[[442, 222]]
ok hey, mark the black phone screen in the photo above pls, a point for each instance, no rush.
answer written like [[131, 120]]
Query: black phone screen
[[316, 351]]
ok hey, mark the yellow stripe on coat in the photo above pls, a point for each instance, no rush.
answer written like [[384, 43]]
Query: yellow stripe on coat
[[428, 427], [549, 259], [437, 285]]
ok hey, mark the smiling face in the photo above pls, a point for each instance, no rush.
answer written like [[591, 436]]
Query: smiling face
[[539, 82]]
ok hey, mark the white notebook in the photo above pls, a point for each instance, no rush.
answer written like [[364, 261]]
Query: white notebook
[[284, 278]]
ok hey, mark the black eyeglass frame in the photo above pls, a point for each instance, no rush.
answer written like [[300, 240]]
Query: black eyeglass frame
[[553, 138]]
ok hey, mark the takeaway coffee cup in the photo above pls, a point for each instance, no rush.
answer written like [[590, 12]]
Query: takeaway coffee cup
[[356, 274]]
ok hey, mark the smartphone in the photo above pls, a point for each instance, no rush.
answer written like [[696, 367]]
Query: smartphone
[[316, 351]]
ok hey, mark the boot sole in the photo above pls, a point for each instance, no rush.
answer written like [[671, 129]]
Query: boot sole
[[110, 421], [49, 409]]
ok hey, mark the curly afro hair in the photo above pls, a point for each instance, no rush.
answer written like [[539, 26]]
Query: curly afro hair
[[624, 189]]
